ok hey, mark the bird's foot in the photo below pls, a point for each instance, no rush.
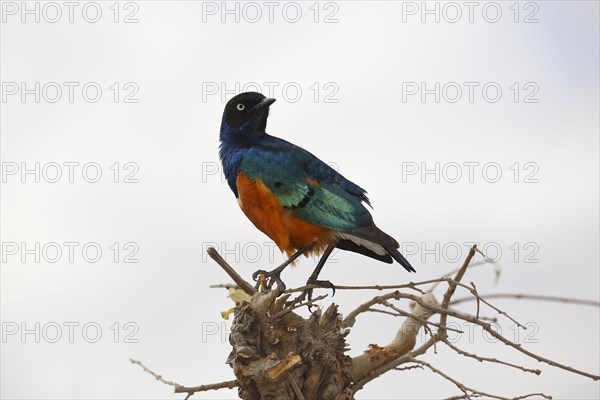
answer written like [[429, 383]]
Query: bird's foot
[[275, 275], [306, 294], [269, 278]]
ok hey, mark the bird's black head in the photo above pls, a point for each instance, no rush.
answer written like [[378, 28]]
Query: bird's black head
[[247, 111]]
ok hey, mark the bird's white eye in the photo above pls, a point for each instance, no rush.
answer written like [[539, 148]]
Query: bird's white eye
[[241, 107]]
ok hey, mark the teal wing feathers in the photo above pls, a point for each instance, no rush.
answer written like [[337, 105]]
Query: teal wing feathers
[[311, 189]]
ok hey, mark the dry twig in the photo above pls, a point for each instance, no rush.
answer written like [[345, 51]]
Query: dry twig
[[185, 389]]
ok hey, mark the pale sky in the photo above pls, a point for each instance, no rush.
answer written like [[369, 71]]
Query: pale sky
[[480, 127]]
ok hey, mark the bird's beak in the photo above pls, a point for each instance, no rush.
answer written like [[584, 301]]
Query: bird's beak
[[263, 104]]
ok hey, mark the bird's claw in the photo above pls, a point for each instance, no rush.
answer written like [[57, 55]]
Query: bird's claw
[[322, 284], [270, 278], [307, 293]]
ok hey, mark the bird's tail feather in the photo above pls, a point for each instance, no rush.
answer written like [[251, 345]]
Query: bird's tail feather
[[396, 255], [349, 245], [375, 235]]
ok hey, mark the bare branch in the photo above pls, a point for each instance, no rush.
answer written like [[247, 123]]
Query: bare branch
[[184, 389], [245, 286], [370, 364], [452, 288], [485, 261], [468, 392], [479, 299], [469, 318], [521, 296], [375, 373], [488, 359], [516, 346], [204, 388], [407, 314], [154, 374], [476, 297], [410, 285], [408, 367], [295, 387], [224, 286]]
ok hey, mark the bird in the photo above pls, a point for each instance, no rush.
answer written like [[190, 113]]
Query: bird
[[300, 202]]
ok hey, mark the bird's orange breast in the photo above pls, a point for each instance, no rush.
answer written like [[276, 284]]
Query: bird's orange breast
[[289, 232]]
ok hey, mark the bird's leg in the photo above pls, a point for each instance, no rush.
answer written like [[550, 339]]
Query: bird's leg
[[274, 275], [312, 279]]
